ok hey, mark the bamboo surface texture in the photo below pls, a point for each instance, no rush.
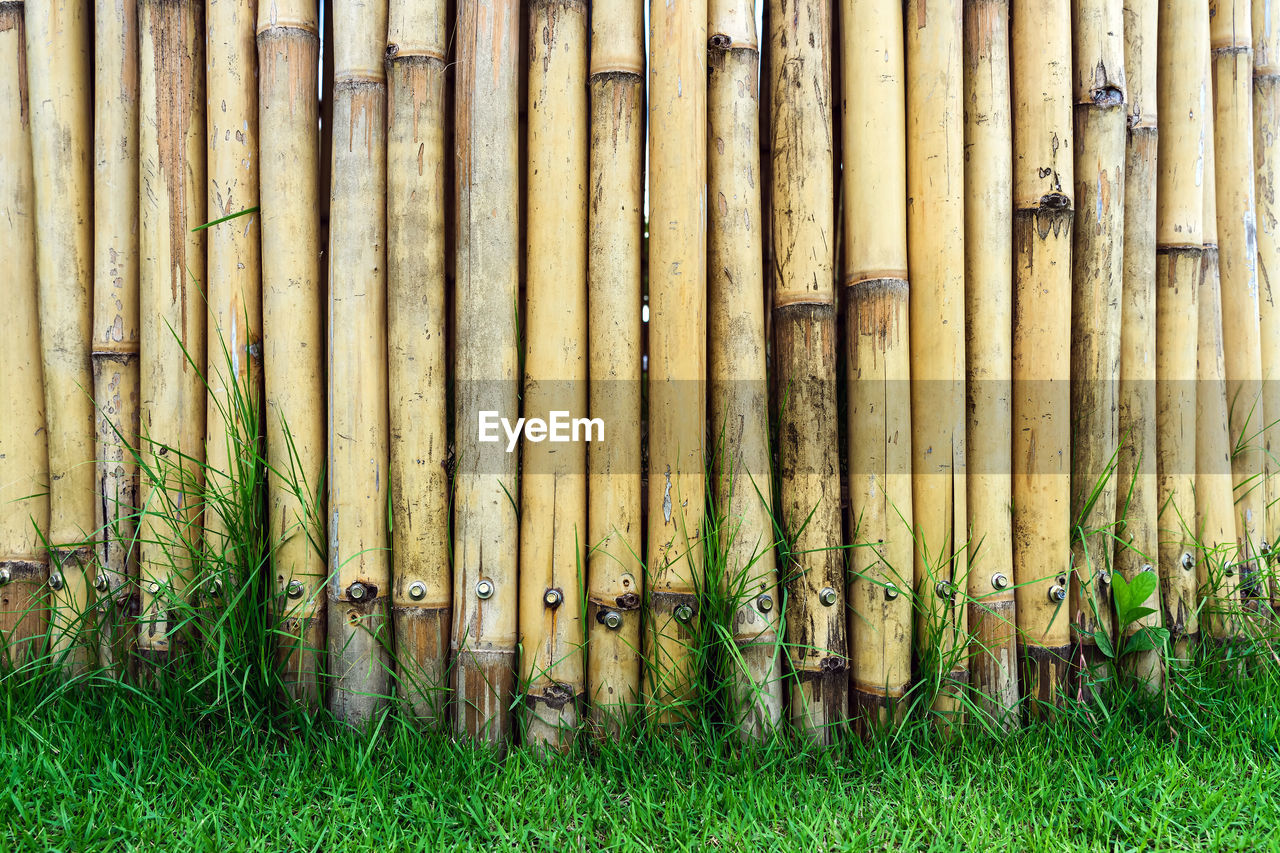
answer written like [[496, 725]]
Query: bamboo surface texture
[[1266, 160]]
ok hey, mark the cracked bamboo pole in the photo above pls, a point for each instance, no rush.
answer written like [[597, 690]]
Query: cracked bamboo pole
[[739, 392], [483, 637], [234, 289], [417, 355], [935, 242], [615, 245], [359, 553], [988, 240], [293, 332], [115, 325], [1097, 288], [1137, 526], [1183, 96], [24, 467], [877, 342], [553, 518], [1042, 219], [677, 348], [803, 188], [60, 98]]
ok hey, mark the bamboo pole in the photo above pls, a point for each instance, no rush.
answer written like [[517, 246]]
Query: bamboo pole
[[421, 585], [1137, 526], [359, 557], [804, 326], [60, 98], [293, 332], [1231, 42], [616, 228], [485, 359], [1182, 96], [115, 324], [1097, 288], [739, 392], [677, 347], [935, 240], [1042, 203], [988, 268], [24, 466], [877, 342]]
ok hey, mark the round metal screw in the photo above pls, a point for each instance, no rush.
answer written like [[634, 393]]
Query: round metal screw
[[1188, 561], [484, 589], [55, 581], [295, 589], [945, 590], [417, 590], [999, 581], [552, 598], [1147, 567], [684, 613], [1104, 577], [1229, 569], [827, 596], [5, 576], [100, 583], [890, 592], [357, 591], [613, 619], [764, 603], [1057, 593], [215, 586], [153, 588]]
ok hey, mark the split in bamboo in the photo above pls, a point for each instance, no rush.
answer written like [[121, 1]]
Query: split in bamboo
[[742, 481], [359, 556], [1042, 225], [988, 240], [803, 186], [293, 332], [877, 342], [483, 638], [24, 467], [616, 229]]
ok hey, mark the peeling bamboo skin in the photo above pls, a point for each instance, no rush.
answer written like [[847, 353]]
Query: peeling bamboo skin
[[803, 187], [293, 329], [742, 480], [935, 239], [677, 347], [358, 421], [1043, 180], [58, 75], [615, 242], [485, 530], [417, 138], [877, 346], [988, 240], [24, 467], [1137, 526]]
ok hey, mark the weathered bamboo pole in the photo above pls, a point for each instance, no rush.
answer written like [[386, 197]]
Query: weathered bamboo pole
[[1231, 43], [1183, 96], [171, 280], [24, 466], [293, 331], [359, 556], [615, 569], [677, 347], [1097, 287], [60, 99], [804, 325], [115, 324], [877, 343], [935, 240], [988, 268], [1137, 525], [417, 356], [485, 359], [739, 392], [1266, 158], [1042, 218]]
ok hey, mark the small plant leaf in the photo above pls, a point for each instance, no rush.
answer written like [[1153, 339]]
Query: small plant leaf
[[1103, 642]]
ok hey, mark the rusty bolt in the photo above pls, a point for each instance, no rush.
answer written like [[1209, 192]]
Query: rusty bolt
[[613, 619], [357, 591], [684, 613], [417, 590], [1057, 593], [827, 596], [890, 592], [55, 581], [1188, 561], [764, 603], [295, 589], [999, 581], [552, 598], [100, 583], [484, 589]]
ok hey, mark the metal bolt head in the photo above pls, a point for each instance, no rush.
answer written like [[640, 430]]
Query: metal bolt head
[[153, 588], [1229, 569], [357, 591], [417, 590], [613, 619], [827, 596], [1265, 547], [684, 613], [5, 576], [214, 587], [1147, 567], [890, 592], [100, 583], [1057, 593], [1188, 561], [999, 581], [55, 581], [1104, 577], [945, 590], [295, 589], [552, 598], [484, 589], [764, 603]]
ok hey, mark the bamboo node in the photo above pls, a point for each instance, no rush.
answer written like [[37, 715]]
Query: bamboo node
[[1107, 96]]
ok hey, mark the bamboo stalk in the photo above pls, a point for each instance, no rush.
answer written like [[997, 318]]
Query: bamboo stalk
[[1266, 134], [988, 267], [1182, 95], [1137, 526], [935, 240], [24, 466], [359, 557], [293, 332], [1042, 224], [485, 357], [677, 347], [116, 324], [742, 481], [616, 227], [877, 341], [804, 325]]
